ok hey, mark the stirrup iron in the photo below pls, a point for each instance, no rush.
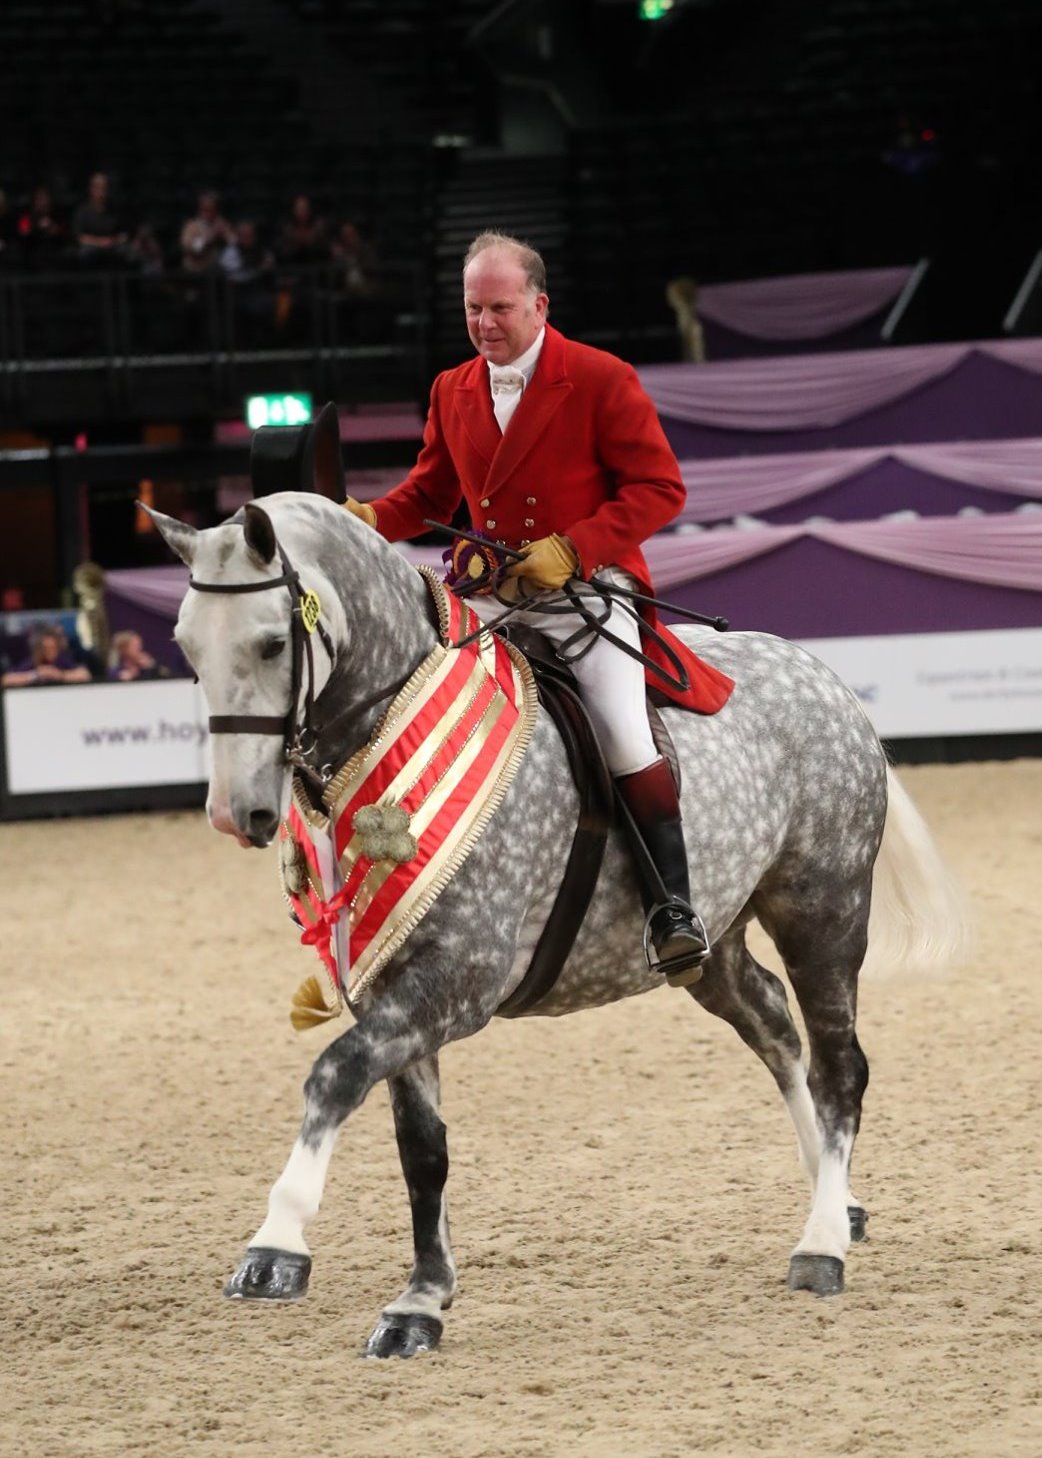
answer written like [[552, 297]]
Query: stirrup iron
[[685, 970]]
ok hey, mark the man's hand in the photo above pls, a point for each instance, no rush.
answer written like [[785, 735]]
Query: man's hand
[[549, 562], [360, 509]]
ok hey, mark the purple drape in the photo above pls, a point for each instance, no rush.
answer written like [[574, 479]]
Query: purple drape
[[983, 398], [720, 489], [814, 391], [1002, 551], [806, 306], [157, 590]]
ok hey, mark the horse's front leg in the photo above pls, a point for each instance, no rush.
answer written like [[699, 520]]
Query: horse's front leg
[[277, 1264], [413, 1322]]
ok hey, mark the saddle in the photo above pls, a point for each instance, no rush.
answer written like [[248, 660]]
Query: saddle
[[559, 695]]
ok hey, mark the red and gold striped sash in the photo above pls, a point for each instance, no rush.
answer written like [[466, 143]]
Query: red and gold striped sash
[[445, 752]]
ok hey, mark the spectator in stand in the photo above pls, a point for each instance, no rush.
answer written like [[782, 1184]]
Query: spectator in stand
[[250, 269], [100, 238], [304, 238], [128, 659], [356, 263], [43, 236], [357, 288], [145, 252], [49, 662], [204, 237], [245, 260]]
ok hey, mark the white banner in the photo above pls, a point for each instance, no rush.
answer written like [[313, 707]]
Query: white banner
[[915, 685], [103, 735]]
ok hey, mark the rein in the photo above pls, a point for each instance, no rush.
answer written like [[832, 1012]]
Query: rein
[[600, 597]]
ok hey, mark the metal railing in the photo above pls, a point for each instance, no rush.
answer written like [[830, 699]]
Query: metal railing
[[204, 339]]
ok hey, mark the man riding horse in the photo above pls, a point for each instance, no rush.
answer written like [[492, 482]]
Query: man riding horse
[[559, 454]]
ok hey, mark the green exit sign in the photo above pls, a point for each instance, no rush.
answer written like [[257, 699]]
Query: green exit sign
[[655, 9], [277, 410]]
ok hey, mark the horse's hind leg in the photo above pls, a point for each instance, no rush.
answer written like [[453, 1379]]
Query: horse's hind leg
[[736, 988], [823, 955], [413, 1323]]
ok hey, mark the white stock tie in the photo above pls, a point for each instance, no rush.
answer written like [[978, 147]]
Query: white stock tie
[[507, 386]]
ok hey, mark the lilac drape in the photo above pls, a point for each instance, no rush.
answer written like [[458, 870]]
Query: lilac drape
[[719, 489], [157, 590], [807, 306], [814, 391], [1003, 551]]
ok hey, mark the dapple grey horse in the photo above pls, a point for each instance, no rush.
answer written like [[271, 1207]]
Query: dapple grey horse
[[786, 791]]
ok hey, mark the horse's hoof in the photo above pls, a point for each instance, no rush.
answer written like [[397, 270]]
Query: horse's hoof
[[403, 1334], [270, 1275], [858, 1220], [818, 1273]]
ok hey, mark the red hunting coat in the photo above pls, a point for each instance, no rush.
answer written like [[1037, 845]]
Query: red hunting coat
[[584, 455]]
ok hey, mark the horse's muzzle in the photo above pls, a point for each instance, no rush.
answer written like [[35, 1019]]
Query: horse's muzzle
[[262, 827], [257, 828]]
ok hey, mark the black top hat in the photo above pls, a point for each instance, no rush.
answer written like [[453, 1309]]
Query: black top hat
[[299, 457]]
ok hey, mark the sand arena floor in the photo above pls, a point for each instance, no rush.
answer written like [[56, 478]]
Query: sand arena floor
[[624, 1191]]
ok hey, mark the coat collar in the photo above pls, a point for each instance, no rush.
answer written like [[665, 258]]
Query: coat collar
[[545, 392]]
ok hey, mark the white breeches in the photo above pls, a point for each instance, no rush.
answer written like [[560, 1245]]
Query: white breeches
[[610, 682]]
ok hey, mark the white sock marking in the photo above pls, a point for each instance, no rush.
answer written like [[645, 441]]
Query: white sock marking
[[827, 1231], [295, 1197]]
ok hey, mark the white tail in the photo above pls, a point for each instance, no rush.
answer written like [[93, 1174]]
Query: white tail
[[919, 913]]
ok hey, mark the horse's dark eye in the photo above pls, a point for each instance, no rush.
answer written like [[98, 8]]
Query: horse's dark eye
[[273, 647]]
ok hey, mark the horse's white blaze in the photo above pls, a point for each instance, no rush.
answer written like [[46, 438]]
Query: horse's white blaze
[[295, 1197], [827, 1231]]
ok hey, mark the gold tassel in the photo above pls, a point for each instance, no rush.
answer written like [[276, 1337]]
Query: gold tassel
[[309, 1006]]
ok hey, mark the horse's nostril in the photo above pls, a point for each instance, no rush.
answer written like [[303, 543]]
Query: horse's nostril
[[263, 824]]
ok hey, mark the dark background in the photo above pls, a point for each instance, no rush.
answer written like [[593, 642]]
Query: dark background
[[731, 139]]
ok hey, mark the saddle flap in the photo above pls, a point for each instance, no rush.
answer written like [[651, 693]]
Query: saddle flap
[[546, 666]]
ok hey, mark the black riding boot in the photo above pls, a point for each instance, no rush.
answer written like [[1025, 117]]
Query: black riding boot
[[675, 929]]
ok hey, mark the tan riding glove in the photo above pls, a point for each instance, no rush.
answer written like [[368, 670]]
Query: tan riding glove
[[360, 509], [549, 562]]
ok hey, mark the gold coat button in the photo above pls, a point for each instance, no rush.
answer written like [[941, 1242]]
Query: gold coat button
[[490, 523], [526, 541], [529, 521], [485, 501], [529, 500]]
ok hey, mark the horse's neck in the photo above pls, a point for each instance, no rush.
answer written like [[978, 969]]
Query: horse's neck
[[390, 633]]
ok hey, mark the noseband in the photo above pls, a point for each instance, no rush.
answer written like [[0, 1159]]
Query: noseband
[[304, 621]]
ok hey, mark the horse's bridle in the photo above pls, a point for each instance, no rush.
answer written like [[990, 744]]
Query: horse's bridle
[[297, 737]]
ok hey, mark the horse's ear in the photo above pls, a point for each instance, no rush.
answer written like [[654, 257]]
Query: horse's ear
[[260, 534], [327, 467], [178, 535]]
